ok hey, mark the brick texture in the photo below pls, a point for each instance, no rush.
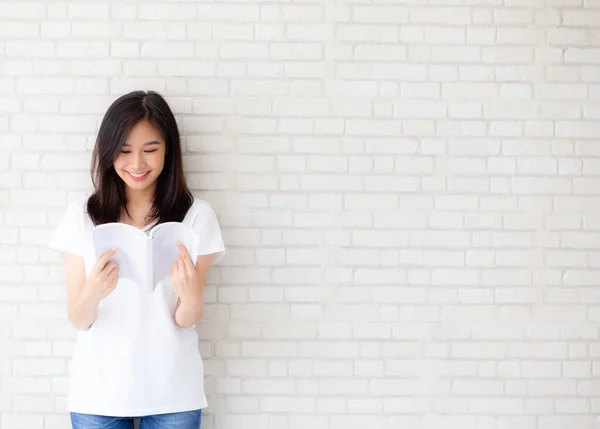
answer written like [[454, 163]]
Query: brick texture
[[409, 192]]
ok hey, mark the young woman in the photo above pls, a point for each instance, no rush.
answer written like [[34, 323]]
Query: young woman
[[136, 354]]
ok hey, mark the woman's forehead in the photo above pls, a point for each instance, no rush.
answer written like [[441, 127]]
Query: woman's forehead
[[144, 134]]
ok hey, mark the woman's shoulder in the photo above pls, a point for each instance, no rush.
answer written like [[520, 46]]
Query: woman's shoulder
[[69, 229], [200, 210], [200, 206], [78, 209]]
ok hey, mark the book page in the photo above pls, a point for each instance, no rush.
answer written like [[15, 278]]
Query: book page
[[132, 244], [164, 247]]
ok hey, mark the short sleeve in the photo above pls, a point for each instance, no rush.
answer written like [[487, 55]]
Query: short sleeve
[[68, 234], [209, 231]]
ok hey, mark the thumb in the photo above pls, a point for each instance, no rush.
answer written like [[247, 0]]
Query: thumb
[[103, 260]]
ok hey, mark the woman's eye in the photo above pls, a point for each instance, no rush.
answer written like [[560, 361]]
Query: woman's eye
[[124, 152], [150, 151]]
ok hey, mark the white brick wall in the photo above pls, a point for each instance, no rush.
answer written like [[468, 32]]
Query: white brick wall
[[409, 192]]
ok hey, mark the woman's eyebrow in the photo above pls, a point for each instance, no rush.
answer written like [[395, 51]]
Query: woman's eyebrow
[[153, 142]]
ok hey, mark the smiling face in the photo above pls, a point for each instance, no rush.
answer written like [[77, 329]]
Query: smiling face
[[142, 158]]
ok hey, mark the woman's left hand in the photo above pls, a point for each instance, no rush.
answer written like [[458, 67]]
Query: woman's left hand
[[185, 280]]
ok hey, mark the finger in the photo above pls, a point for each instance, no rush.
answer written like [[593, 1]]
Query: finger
[[187, 259], [105, 257], [182, 250], [174, 276], [114, 277], [109, 268], [181, 268], [106, 274]]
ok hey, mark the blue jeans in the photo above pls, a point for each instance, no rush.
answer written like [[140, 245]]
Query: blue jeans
[[183, 420]]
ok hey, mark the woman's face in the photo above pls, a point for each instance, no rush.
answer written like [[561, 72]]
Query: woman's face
[[142, 157]]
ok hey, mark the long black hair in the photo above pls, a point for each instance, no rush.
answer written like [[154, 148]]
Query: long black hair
[[172, 198]]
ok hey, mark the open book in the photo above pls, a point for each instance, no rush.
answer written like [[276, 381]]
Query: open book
[[146, 259]]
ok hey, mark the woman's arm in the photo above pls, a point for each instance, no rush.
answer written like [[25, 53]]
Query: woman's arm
[[190, 309], [82, 305], [85, 294]]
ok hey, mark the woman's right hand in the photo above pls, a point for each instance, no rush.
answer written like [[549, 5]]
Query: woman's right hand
[[103, 276]]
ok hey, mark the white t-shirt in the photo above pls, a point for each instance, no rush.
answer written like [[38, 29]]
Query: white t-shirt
[[135, 360]]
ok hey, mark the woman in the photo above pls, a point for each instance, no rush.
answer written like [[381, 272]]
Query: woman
[[136, 354]]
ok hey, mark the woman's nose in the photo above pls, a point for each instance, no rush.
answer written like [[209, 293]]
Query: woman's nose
[[138, 160]]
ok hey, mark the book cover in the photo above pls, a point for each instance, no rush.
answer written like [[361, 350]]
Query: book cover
[[145, 259]]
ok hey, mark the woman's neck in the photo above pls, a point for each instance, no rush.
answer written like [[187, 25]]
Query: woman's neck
[[141, 198], [139, 206]]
